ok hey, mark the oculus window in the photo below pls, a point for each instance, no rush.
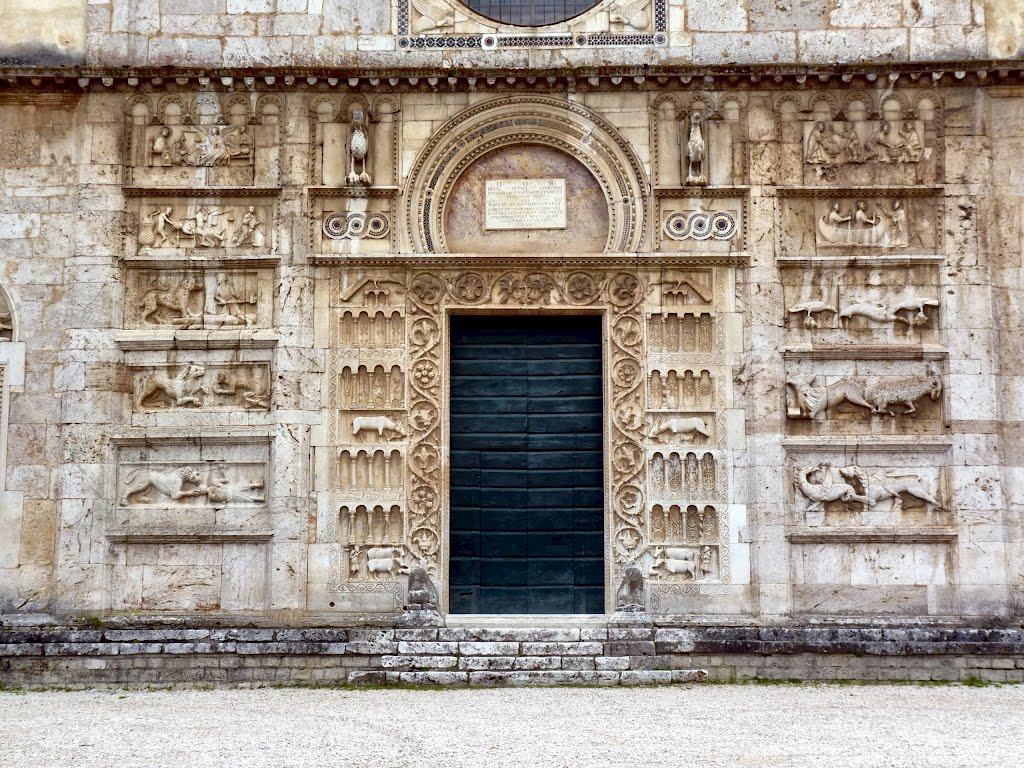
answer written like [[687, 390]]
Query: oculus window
[[530, 13]]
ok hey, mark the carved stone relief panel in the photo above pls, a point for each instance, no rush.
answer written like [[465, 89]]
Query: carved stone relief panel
[[194, 487], [698, 138], [872, 524], [862, 223], [712, 223], [861, 138], [356, 140], [209, 139], [865, 494], [866, 305], [361, 222], [198, 299], [197, 385], [876, 396], [204, 227]]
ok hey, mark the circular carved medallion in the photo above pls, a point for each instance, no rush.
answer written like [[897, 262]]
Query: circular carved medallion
[[530, 13]]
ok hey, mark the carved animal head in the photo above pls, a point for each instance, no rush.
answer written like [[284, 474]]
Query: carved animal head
[[936, 387], [190, 475], [194, 372]]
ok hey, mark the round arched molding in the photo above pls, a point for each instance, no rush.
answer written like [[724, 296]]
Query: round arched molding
[[557, 123]]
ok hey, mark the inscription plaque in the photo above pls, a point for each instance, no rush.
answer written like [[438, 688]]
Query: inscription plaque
[[525, 204]]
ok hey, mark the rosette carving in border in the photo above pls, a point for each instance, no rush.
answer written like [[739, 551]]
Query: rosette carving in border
[[625, 298], [424, 466]]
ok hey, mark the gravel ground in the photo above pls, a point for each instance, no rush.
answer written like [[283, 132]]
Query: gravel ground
[[706, 726]]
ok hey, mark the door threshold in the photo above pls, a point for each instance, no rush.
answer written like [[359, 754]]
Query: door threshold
[[527, 620]]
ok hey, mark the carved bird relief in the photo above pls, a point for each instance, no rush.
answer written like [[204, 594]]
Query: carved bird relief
[[631, 13], [695, 150], [433, 15]]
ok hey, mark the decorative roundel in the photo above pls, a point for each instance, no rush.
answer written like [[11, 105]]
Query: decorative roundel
[[530, 13], [342, 226], [336, 225], [701, 226]]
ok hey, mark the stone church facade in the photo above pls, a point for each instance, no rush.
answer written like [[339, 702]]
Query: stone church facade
[[231, 264]]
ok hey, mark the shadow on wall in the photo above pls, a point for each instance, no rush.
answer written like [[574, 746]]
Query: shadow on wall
[[1004, 26], [42, 32]]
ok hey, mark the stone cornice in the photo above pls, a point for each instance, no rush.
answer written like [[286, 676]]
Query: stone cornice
[[644, 77]]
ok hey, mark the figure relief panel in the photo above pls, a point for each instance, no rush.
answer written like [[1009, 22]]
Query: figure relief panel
[[191, 487], [202, 227], [868, 495], [195, 299], [210, 139], [374, 472], [372, 537], [860, 138], [860, 223], [871, 529], [369, 328], [884, 305], [864, 397]]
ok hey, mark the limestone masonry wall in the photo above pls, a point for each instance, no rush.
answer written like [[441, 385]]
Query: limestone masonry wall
[[345, 33], [225, 301]]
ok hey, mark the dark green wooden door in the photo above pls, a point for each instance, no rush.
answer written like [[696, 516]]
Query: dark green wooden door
[[527, 498]]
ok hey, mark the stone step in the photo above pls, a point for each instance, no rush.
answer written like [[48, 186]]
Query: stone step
[[533, 677]]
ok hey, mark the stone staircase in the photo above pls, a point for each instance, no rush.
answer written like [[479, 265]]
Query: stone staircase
[[527, 656]]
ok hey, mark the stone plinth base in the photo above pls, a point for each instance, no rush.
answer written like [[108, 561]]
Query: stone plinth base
[[590, 655]]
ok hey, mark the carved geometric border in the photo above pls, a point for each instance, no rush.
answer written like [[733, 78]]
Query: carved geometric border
[[563, 38]]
